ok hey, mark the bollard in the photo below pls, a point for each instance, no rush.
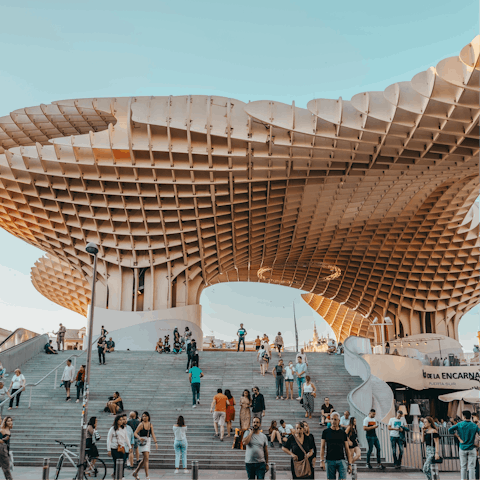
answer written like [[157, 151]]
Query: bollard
[[273, 471], [435, 472], [195, 470], [119, 469], [46, 469], [354, 472]]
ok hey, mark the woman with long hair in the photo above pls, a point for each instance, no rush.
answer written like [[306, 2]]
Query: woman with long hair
[[116, 405], [299, 446], [274, 434], [5, 434], [118, 442], [352, 436], [289, 377], [263, 358], [180, 444], [308, 395], [432, 443], [144, 433], [230, 415], [91, 449], [245, 410]]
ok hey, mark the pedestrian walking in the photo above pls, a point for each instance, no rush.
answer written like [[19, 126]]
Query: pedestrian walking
[[101, 348], [245, 413], [289, 378], [103, 332], [258, 342], [263, 359], [431, 440], [278, 342], [466, 432], [309, 392], [396, 425], [219, 403], [241, 334], [279, 373], [180, 444], [258, 403], [118, 443], [300, 448], [144, 434], [230, 413], [192, 354], [91, 449], [68, 377], [61, 338], [352, 436], [195, 374], [256, 451], [80, 381], [313, 460], [370, 425], [5, 435], [335, 442], [300, 372], [17, 384], [133, 422]]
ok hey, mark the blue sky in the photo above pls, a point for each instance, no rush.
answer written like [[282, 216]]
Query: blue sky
[[278, 50]]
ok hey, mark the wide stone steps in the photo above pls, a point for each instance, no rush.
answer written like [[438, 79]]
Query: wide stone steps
[[158, 384]]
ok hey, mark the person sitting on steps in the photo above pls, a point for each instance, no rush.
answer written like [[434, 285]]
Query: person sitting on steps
[[114, 404], [159, 347], [110, 345], [49, 350]]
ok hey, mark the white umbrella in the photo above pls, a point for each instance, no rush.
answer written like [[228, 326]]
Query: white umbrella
[[470, 396]]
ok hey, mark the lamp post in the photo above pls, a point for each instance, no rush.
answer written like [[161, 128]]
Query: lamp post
[[92, 249]]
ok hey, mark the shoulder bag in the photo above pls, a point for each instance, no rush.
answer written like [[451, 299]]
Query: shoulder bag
[[302, 467], [120, 448]]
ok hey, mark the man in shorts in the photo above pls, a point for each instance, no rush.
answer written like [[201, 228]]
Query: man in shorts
[[335, 443], [220, 404], [68, 377]]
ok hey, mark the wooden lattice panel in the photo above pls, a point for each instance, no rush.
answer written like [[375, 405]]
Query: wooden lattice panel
[[61, 284], [213, 188]]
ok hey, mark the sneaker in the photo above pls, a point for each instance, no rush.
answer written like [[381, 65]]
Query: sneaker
[[176, 470], [77, 401], [186, 471], [271, 445], [186, 371], [299, 398], [281, 398], [381, 467], [276, 398], [194, 406], [68, 399], [221, 439], [198, 401], [369, 466]]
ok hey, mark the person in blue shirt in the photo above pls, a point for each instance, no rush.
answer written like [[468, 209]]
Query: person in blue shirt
[[195, 374], [466, 431], [241, 333]]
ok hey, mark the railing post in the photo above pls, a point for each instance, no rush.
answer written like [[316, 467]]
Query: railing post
[[273, 471], [75, 363], [119, 469], [55, 384], [30, 399], [46, 469], [195, 470], [354, 472]]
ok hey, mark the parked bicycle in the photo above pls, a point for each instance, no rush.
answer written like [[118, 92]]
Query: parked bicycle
[[95, 470]]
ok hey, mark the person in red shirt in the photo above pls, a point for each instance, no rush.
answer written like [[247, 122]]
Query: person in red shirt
[[220, 404]]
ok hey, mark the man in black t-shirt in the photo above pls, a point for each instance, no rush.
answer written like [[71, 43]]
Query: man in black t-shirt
[[334, 439], [326, 410]]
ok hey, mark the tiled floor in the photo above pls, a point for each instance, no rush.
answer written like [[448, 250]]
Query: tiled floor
[[35, 473]]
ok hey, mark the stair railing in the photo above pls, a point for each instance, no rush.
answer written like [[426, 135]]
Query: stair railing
[[360, 399], [55, 370]]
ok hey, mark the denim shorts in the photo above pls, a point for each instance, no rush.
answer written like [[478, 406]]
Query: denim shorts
[[336, 465]]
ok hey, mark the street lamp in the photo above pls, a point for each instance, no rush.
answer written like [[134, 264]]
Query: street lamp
[[92, 249]]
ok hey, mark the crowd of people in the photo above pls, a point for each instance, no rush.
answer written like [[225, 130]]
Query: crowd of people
[[180, 342]]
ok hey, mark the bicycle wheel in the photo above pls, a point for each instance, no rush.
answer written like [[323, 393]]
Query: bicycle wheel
[[59, 467], [99, 469]]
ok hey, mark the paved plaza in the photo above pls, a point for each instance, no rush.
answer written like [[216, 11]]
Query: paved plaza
[[35, 473]]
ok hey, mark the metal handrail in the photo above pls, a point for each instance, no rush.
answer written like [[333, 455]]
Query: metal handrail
[[31, 385]]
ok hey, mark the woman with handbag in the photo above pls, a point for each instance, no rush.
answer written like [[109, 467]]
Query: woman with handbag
[[91, 449], [432, 443], [5, 455], [352, 436], [118, 443], [144, 433], [300, 448], [309, 392]]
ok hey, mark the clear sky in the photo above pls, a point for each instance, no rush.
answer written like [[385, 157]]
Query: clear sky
[[249, 50]]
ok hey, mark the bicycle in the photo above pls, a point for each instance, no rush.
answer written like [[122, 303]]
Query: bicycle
[[99, 469]]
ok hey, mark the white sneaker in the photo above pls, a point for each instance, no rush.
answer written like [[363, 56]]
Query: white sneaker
[[186, 371], [198, 401], [186, 471], [176, 470], [299, 398], [194, 406]]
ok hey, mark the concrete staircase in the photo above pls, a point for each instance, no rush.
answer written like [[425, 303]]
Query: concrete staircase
[[158, 384]]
